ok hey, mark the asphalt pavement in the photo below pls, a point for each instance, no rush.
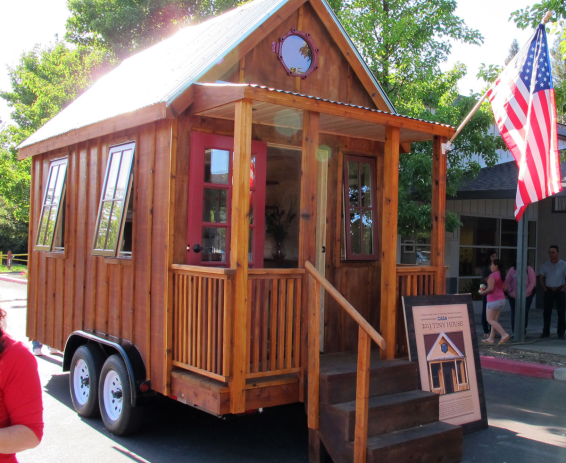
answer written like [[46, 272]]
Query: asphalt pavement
[[527, 418]]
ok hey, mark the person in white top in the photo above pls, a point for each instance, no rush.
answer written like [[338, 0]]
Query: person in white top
[[553, 281]]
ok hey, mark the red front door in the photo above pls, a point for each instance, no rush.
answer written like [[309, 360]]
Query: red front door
[[210, 201]]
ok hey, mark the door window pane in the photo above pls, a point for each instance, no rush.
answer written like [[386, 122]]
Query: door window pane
[[353, 183], [216, 166], [367, 230], [214, 244], [365, 177], [214, 207], [355, 231]]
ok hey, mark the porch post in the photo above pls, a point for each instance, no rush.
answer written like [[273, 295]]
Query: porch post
[[239, 249], [307, 235], [388, 315], [438, 214]]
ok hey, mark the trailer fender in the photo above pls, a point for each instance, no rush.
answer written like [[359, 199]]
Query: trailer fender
[[110, 345]]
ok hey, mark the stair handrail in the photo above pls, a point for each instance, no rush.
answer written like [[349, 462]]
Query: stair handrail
[[366, 333]]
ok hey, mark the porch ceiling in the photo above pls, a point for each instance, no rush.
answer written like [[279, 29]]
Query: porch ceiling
[[278, 108]]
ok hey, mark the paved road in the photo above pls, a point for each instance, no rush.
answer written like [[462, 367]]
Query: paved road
[[527, 422]]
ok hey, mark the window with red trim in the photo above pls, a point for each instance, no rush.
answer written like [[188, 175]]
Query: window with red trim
[[360, 212]]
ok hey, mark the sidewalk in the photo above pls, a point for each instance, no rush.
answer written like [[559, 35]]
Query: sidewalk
[[13, 277], [542, 347]]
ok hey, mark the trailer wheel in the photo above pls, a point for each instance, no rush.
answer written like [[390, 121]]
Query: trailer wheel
[[118, 414], [83, 380]]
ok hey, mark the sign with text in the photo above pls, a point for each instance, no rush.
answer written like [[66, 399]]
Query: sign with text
[[442, 340]]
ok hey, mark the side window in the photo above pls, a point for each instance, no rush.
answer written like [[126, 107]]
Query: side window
[[51, 229], [113, 235], [360, 212]]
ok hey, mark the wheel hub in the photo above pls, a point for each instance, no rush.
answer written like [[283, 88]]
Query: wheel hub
[[113, 395], [81, 382]]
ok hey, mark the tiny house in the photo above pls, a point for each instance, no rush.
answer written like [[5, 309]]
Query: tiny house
[[153, 269]]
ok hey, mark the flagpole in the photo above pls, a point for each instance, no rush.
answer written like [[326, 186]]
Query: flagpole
[[546, 18]]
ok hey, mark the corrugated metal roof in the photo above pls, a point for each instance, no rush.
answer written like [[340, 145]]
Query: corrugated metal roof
[[164, 71], [311, 97]]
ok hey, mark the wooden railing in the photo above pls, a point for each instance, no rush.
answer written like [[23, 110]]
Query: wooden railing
[[274, 321], [202, 319], [365, 335], [415, 280]]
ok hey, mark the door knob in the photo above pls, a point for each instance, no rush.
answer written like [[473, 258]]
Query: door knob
[[197, 248]]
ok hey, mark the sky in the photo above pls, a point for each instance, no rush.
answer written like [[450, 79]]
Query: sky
[[46, 18]]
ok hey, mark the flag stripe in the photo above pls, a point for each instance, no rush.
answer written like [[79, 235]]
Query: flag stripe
[[522, 100]]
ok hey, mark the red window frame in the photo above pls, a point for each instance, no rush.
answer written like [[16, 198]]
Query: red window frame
[[200, 142], [350, 255]]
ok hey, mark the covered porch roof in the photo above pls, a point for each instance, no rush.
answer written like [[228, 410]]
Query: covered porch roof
[[279, 108]]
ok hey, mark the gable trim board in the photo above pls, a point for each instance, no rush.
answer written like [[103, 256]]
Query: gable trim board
[[161, 75]]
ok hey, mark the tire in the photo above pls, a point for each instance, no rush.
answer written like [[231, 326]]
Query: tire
[[118, 414], [86, 366]]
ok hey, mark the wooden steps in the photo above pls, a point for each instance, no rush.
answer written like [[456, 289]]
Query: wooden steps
[[402, 420]]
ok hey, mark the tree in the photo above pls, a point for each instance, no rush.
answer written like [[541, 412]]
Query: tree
[[43, 83], [513, 50], [532, 16], [125, 26], [558, 64], [404, 42]]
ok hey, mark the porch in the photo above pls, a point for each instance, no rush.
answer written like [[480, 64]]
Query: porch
[[246, 337]]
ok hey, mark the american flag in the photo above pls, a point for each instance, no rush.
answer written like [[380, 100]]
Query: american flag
[[522, 99]]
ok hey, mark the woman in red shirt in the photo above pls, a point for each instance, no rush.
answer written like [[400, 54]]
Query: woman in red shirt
[[21, 408], [495, 301]]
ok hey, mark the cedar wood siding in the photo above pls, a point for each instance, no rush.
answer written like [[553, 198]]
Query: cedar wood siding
[[85, 292]]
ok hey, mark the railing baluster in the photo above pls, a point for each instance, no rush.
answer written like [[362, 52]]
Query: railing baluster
[[297, 346], [273, 330], [265, 328], [289, 323]]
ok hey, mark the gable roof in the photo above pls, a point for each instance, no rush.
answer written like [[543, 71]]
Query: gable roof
[[162, 73], [443, 337], [499, 182]]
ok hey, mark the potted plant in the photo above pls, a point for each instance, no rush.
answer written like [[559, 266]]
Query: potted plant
[[278, 222]]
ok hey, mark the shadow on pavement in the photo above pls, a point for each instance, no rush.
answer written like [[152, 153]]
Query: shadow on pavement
[[172, 431]]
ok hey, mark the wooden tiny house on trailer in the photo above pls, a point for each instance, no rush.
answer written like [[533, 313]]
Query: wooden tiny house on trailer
[[151, 267]]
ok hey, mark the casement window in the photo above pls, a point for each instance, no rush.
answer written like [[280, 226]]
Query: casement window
[[112, 237], [51, 229], [360, 212]]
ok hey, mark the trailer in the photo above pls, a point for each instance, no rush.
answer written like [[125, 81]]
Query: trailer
[[150, 266]]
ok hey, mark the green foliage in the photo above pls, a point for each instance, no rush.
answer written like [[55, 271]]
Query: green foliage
[[13, 231], [126, 26], [278, 220], [403, 41], [44, 81], [513, 50]]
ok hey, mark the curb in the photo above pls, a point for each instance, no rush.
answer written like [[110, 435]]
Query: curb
[[13, 280], [534, 370]]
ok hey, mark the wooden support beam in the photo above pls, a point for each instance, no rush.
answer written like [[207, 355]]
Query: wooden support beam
[[314, 353], [362, 397], [307, 219], [388, 314], [438, 214], [239, 249]]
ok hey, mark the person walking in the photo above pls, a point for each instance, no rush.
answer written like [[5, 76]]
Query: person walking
[[511, 288], [553, 281], [490, 256], [495, 301]]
